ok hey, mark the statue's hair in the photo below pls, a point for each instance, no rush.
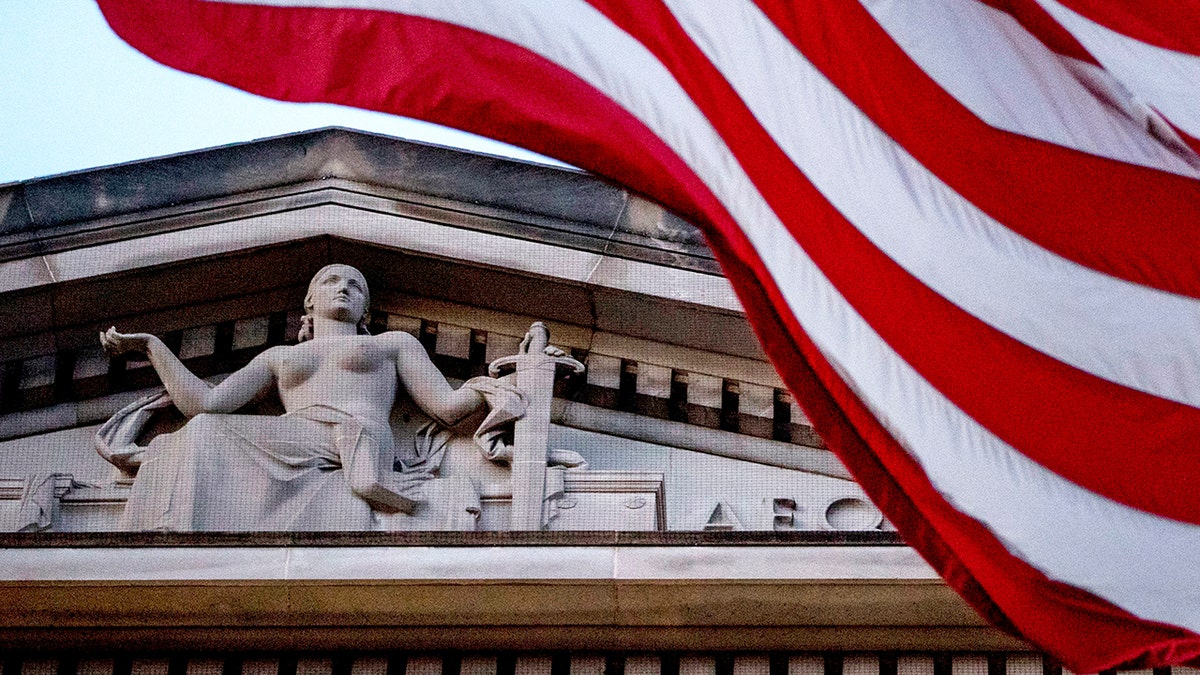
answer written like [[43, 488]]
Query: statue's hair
[[306, 322]]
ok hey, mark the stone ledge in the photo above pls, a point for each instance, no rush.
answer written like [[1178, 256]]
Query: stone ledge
[[494, 638], [563, 598], [86, 540], [482, 564], [306, 156], [46, 214]]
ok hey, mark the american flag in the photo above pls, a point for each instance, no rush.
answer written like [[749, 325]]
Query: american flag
[[967, 233]]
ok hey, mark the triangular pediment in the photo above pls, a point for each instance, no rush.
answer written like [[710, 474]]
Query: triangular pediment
[[677, 412]]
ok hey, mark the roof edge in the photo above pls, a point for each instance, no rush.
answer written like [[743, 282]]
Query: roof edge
[[328, 152]]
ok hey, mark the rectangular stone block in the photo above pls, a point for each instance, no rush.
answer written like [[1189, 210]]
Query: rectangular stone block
[[91, 362], [860, 664], [37, 372], [533, 665], [198, 341], [478, 665], [603, 371], [798, 414], [704, 390], [643, 664], [653, 380], [310, 666], [587, 664], [758, 664], [969, 664], [499, 346], [250, 332], [424, 664], [205, 666], [697, 665], [1023, 664], [806, 664], [94, 667], [405, 324], [260, 667], [370, 665], [150, 667], [914, 665], [453, 341], [39, 667], [756, 400]]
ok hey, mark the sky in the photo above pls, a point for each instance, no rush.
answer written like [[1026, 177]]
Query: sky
[[74, 96]]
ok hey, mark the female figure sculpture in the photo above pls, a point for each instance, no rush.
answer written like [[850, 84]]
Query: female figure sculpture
[[338, 387]]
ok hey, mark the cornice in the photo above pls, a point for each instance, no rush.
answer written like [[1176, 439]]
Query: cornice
[[348, 167]]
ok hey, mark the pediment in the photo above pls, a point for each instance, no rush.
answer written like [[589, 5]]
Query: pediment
[[678, 410]]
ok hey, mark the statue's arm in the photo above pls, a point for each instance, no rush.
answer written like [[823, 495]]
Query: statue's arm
[[426, 385], [191, 394]]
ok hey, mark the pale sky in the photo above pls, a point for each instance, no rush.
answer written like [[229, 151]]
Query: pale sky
[[74, 96]]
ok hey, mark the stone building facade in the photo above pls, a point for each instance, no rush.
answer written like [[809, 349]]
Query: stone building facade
[[709, 532]]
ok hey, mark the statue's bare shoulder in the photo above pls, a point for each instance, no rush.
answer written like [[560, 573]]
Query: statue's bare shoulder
[[403, 343], [273, 355]]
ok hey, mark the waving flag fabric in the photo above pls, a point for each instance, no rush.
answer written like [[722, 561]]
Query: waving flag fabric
[[967, 233]]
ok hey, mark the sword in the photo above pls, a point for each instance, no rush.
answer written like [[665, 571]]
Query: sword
[[535, 377]]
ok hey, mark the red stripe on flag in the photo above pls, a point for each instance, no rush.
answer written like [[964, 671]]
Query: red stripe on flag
[[407, 66], [1043, 26], [1170, 24], [1045, 409]]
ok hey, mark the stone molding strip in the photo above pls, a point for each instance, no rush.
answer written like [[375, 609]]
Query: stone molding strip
[[638, 598], [758, 538], [194, 176], [494, 193]]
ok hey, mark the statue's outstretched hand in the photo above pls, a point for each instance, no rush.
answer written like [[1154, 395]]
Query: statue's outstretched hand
[[120, 343], [553, 351]]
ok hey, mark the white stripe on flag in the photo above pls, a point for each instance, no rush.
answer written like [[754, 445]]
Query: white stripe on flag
[[983, 58], [1166, 79]]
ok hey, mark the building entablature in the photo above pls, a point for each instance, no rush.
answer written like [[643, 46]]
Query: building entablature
[[680, 498]]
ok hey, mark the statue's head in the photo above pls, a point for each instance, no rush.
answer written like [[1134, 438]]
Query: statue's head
[[336, 292]]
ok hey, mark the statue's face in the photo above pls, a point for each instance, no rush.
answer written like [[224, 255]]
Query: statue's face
[[338, 292]]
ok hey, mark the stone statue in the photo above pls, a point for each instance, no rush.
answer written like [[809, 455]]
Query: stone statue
[[328, 462]]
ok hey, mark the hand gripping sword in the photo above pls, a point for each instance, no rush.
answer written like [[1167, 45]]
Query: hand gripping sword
[[535, 377]]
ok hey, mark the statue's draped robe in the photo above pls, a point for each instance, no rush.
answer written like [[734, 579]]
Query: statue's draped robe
[[255, 472], [288, 473]]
